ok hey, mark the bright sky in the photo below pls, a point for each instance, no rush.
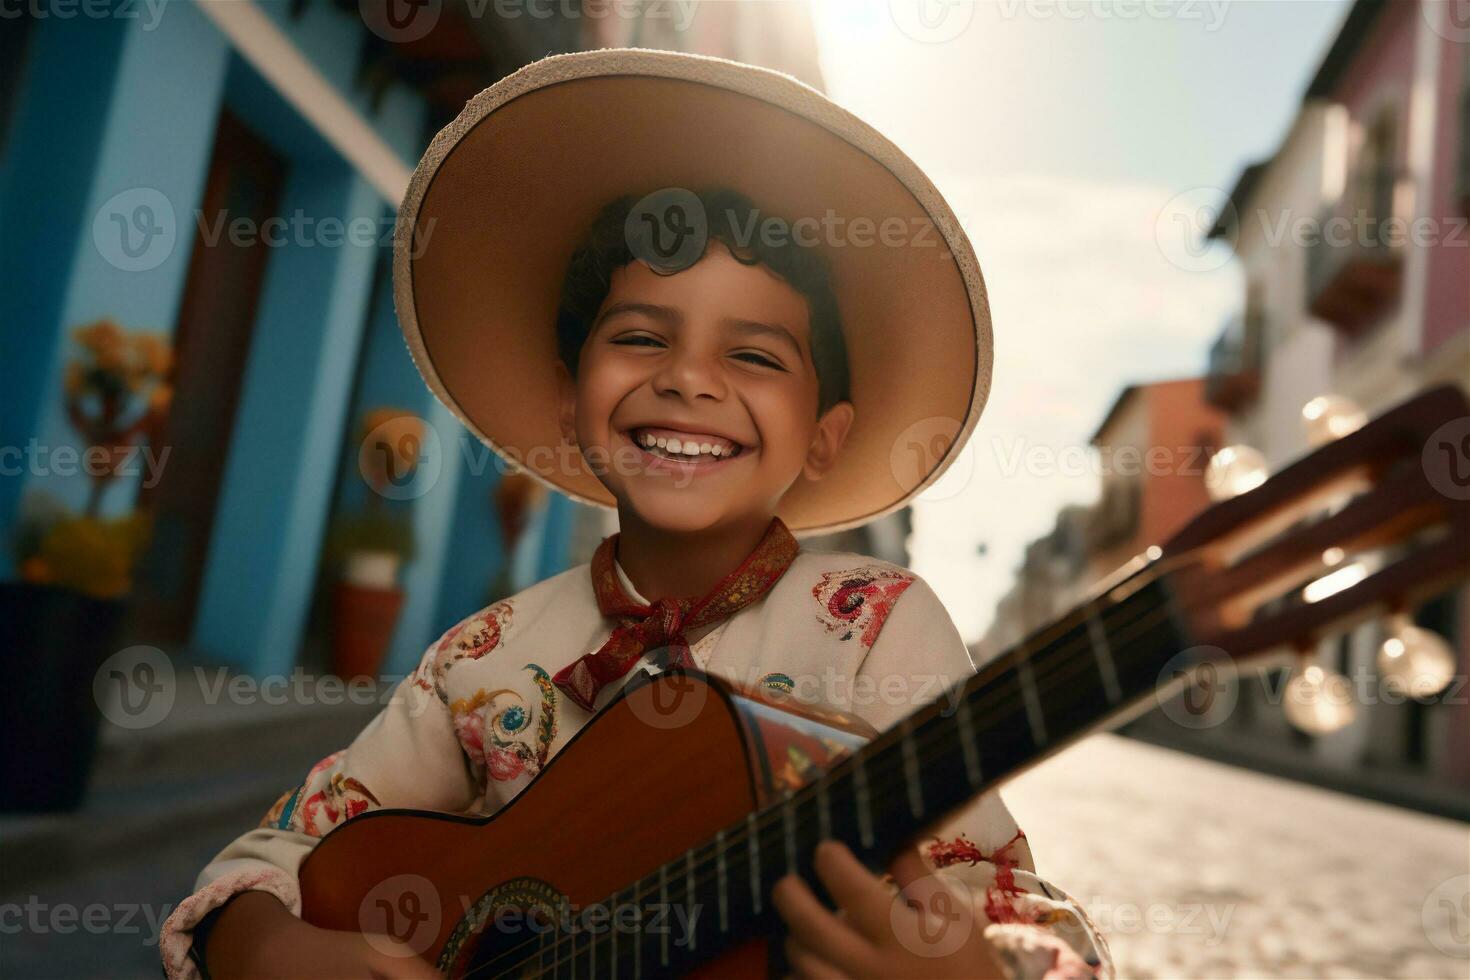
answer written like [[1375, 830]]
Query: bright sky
[[1063, 134]]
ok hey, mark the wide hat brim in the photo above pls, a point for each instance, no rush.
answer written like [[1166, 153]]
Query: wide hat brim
[[506, 191]]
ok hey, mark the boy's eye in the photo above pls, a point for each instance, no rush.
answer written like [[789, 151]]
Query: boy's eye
[[759, 359], [636, 339]]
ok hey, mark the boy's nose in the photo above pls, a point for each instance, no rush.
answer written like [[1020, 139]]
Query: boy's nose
[[690, 374]]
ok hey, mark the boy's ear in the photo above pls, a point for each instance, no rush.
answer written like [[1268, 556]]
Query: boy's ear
[[831, 433], [566, 399]]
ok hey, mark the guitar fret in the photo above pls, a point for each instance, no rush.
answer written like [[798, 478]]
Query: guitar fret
[[724, 885], [1033, 702], [824, 810], [911, 772], [753, 843], [864, 804], [1104, 654], [967, 743], [638, 936], [663, 901], [689, 885]]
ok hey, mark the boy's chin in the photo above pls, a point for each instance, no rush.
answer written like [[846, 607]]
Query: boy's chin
[[676, 510]]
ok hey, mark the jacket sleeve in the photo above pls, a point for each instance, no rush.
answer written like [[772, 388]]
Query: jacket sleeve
[[407, 756], [1037, 929]]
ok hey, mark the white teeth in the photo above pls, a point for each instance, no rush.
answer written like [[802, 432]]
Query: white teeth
[[689, 447]]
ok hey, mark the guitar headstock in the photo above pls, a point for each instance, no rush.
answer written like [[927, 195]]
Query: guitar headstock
[[1368, 525]]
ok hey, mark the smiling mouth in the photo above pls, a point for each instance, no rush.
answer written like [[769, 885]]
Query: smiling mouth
[[663, 448]]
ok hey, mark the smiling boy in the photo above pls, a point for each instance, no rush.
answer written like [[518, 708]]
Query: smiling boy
[[719, 389]]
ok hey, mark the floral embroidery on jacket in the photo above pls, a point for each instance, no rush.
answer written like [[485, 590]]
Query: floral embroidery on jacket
[[779, 682], [856, 602], [495, 729], [338, 800], [1000, 898], [469, 639]]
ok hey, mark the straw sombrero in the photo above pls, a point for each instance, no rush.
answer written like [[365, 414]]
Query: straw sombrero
[[505, 192]]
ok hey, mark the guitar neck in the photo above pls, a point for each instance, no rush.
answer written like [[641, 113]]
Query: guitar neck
[[1092, 666]]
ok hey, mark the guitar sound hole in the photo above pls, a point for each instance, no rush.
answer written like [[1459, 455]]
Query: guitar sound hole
[[511, 931]]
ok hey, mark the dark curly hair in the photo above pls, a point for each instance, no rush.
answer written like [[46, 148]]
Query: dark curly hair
[[606, 248]]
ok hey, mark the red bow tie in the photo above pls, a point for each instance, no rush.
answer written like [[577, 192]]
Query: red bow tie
[[663, 623]]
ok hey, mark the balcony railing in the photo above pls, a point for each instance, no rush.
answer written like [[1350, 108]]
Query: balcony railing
[[1234, 377], [1355, 265]]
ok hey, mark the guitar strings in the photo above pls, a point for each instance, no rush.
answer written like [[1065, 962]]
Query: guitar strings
[[1068, 665], [742, 835], [1065, 663]]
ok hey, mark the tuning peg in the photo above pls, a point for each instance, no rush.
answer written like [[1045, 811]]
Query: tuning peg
[[1233, 471], [1415, 661], [1320, 701], [1330, 417]]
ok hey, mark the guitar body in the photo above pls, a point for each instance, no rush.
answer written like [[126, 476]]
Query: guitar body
[[663, 768]]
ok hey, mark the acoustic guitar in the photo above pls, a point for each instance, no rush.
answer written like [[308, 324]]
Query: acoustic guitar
[[665, 866]]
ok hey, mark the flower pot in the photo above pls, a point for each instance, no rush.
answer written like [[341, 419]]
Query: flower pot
[[53, 640], [362, 626], [371, 569]]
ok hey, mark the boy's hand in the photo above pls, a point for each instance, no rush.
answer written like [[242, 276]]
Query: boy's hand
[[928, 930]]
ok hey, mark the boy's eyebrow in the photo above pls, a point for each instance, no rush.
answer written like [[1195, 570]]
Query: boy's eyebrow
[[767, 329], [665, 314]]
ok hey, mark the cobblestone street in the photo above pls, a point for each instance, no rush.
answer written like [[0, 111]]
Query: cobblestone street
[[1192, 869], [1196, 869]]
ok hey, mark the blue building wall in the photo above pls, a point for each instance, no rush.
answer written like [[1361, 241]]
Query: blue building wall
[[140, 170], [140, 108]]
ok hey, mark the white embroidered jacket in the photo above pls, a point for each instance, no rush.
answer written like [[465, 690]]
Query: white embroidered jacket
[[479, 718]]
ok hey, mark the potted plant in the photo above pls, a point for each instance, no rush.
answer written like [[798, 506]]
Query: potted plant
[[60, 620], [369, 547]]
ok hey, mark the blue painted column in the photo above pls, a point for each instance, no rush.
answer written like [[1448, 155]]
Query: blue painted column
[[556, 535], [106, 161], [475, 552], [289, 427]]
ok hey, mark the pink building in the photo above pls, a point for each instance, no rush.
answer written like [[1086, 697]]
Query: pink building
[[1399, 70], [1372, 303]]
